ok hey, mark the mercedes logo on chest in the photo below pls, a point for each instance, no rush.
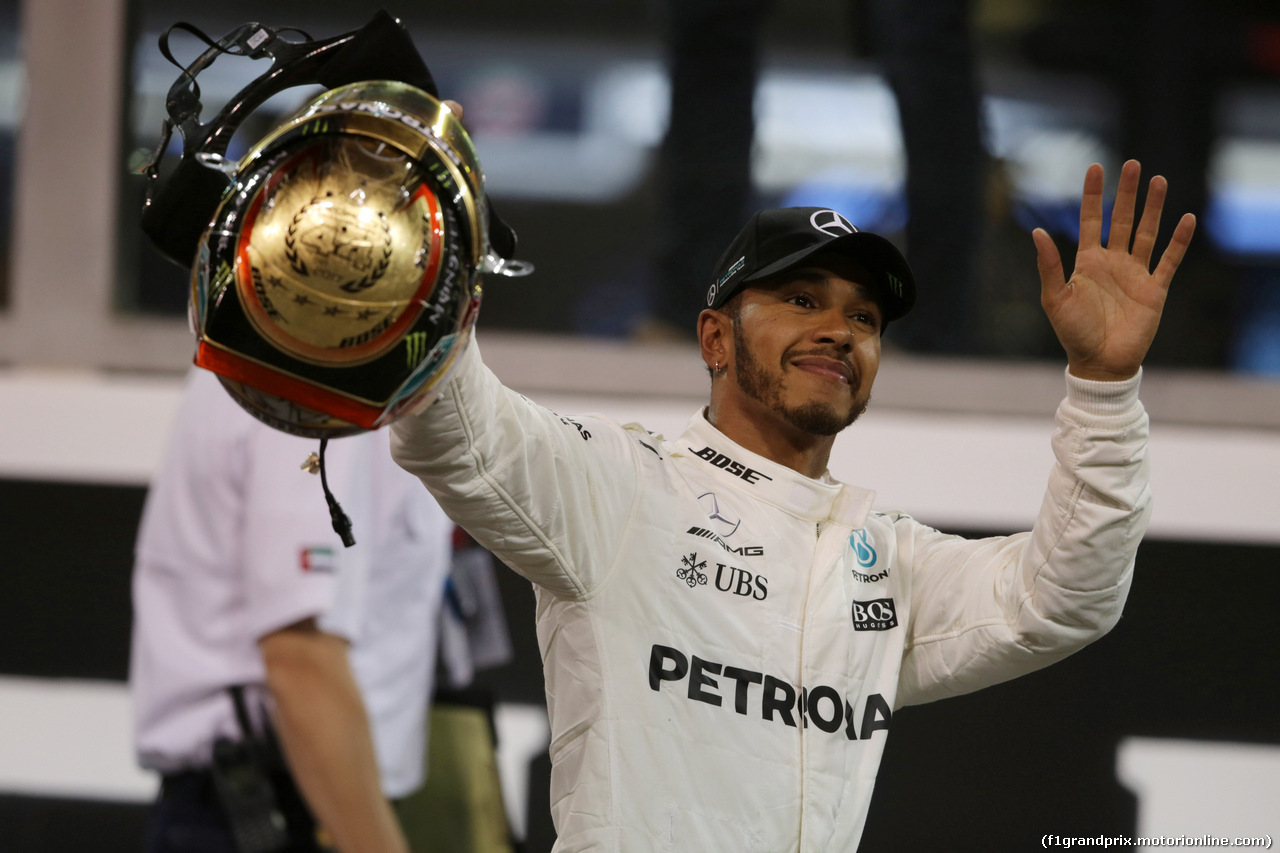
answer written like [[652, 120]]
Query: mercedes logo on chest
[[722, 517]]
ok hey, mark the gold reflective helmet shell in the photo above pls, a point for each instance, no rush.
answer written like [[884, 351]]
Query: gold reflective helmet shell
[[339, 278]]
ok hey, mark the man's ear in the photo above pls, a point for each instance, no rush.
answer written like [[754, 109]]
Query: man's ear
[[715, 337]]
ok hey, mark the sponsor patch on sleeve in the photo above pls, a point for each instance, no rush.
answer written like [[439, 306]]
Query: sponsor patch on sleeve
[[319, 559]]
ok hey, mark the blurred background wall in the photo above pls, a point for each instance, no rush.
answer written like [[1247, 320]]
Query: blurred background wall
[[569, 102]]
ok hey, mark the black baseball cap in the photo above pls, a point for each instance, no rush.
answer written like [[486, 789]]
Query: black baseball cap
[[780, 239]]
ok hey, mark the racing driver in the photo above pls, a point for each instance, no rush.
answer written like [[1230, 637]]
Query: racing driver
[[726, 630]]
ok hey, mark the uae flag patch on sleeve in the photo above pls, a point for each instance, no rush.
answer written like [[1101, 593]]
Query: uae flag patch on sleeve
[[317, 559]]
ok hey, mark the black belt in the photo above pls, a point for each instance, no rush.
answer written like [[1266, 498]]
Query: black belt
[[194, 786]]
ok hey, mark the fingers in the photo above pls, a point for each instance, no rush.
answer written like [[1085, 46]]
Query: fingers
[[1090, 209], [1174, 252], [1144, 243], [455, 108], [1122, 211], [1049, 262]]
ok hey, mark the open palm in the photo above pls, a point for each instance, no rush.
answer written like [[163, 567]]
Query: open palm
[[1106, 315]]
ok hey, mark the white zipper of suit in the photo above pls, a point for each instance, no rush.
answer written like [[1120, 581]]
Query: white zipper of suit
[[849, 511], [800, 688]]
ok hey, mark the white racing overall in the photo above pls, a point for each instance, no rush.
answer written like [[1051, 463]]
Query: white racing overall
[[725, 640]]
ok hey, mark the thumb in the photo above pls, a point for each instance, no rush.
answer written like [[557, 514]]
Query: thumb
[[1048, 262]]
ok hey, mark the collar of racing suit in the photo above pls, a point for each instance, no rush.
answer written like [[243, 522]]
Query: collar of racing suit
[[817, 500]]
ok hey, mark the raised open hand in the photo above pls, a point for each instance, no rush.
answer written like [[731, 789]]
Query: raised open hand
[[1106, 316]]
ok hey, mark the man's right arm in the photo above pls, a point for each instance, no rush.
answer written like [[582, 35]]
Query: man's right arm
[[324, 730], [550, 496]]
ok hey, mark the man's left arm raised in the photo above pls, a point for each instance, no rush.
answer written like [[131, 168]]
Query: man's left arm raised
[[988, 610]]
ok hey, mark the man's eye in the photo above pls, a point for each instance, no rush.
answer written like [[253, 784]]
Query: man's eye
[[801, 299]]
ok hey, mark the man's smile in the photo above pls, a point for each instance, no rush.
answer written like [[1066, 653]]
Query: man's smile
[[830, 368]]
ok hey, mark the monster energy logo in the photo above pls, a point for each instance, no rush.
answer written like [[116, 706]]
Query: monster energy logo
[[441, 174], [220, 279], [317, 126], [895, 284], [415, 347]]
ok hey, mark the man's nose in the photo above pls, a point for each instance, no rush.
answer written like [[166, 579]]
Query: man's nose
[[834, 329]]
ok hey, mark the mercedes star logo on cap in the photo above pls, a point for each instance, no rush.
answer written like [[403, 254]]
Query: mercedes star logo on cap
[[831, 223]]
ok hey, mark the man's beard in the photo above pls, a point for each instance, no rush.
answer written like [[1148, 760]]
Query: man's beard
[[814, 417]]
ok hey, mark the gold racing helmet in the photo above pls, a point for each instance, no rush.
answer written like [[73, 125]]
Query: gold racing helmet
[[338, 277]]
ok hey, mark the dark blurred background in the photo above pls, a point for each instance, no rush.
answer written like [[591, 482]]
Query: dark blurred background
[[626, 142]]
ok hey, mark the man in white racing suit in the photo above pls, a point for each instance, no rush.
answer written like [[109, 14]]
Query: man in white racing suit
[[726, 630]]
